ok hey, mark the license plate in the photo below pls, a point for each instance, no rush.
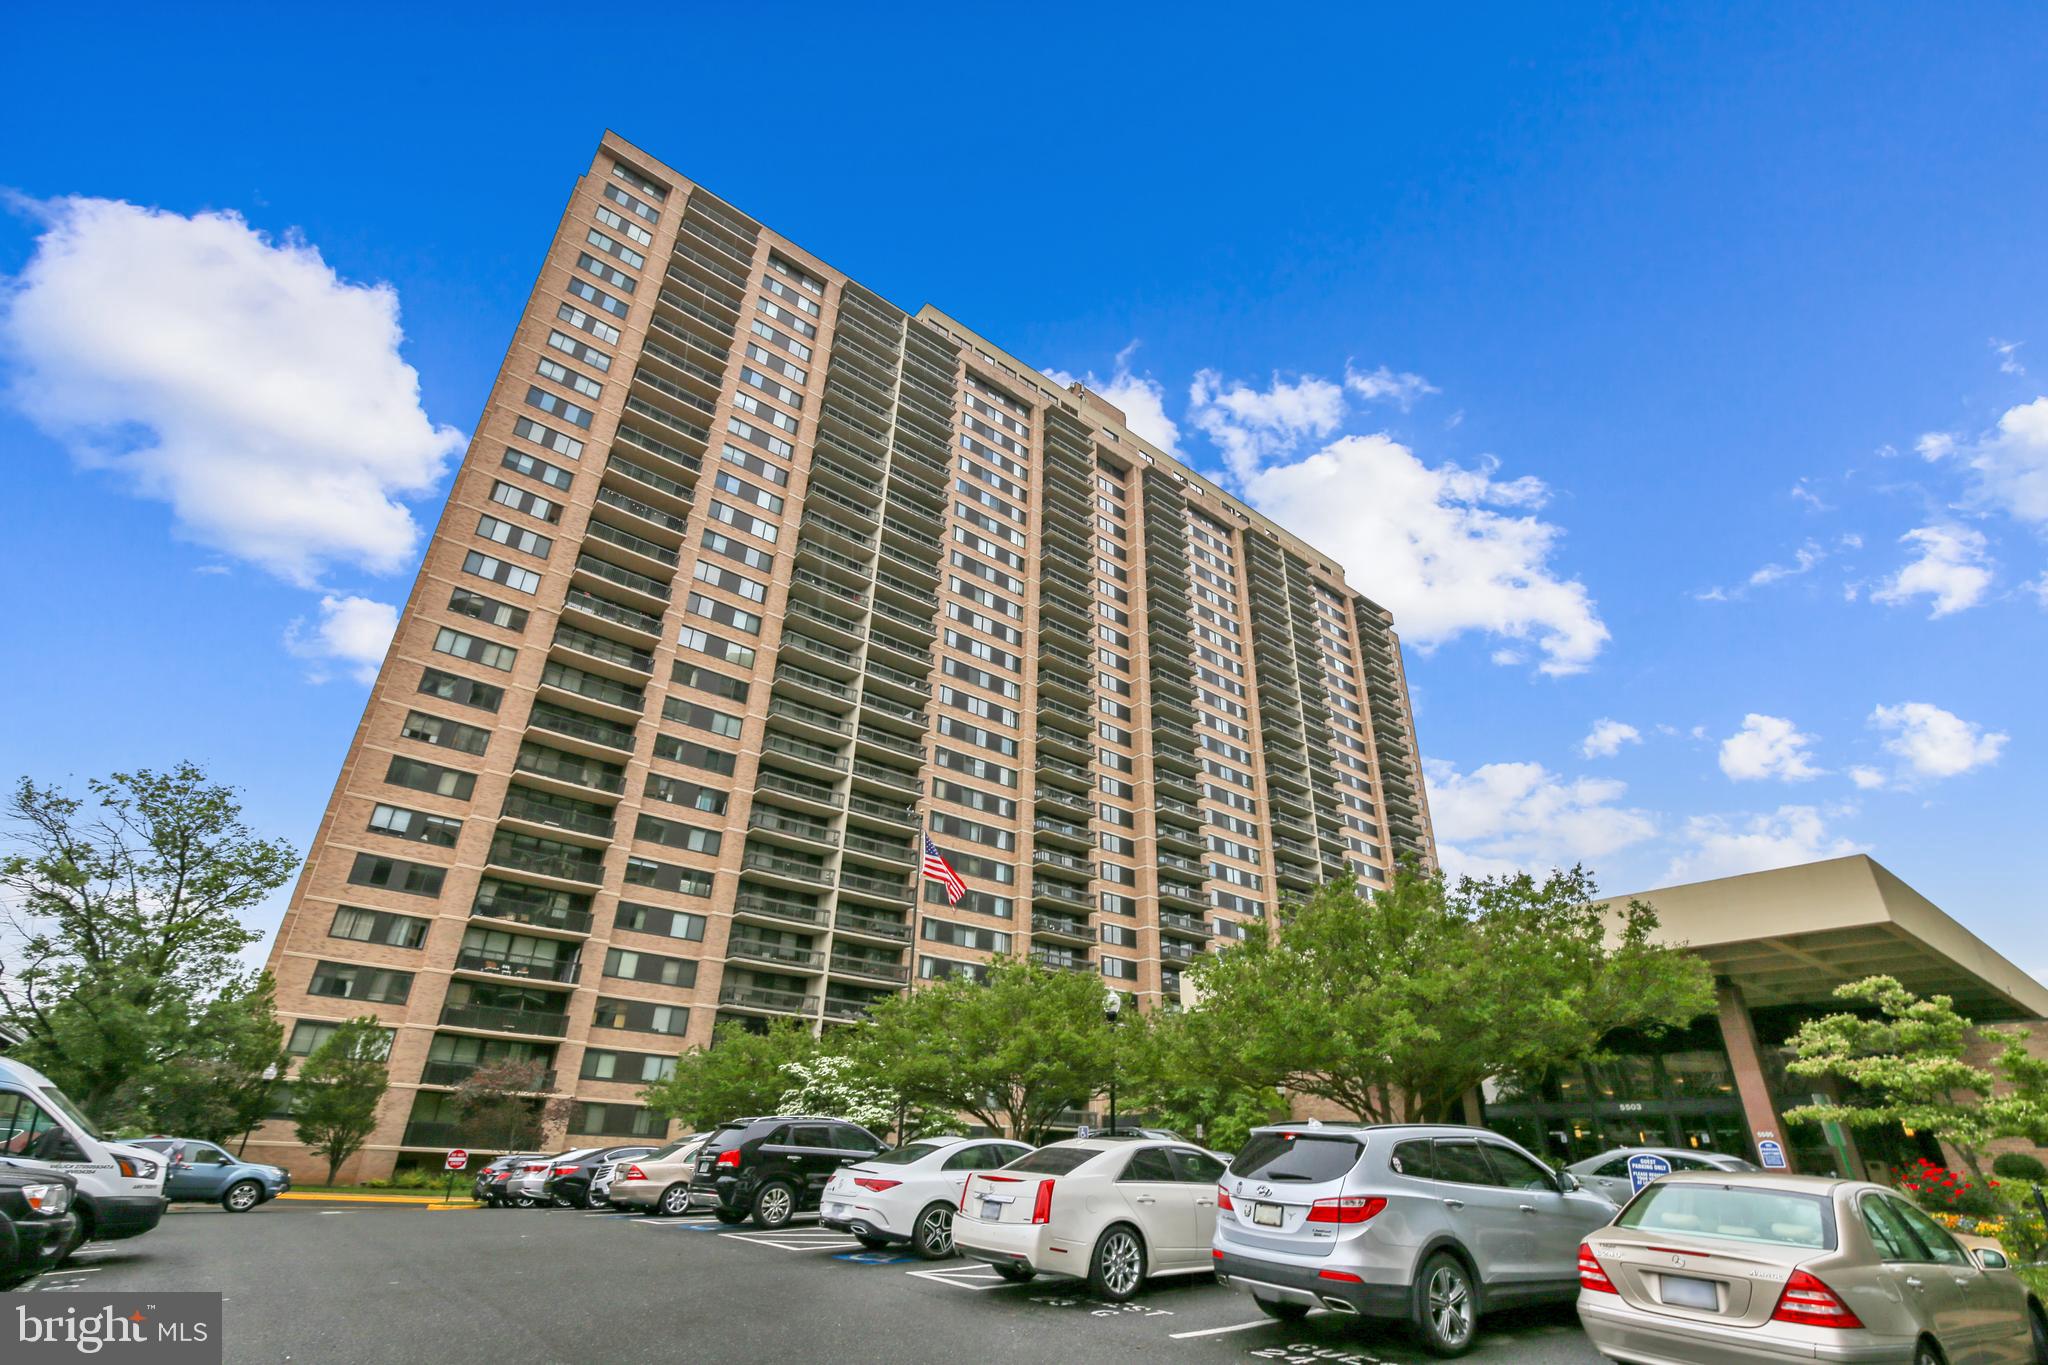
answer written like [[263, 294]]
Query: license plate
[[703, 1166], [1268, 1215], [991, 1211], [1681, 1291]]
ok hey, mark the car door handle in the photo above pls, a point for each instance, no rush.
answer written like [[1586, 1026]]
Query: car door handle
[[1913, 1282], [1143, 1199], [1454, 1203], [1203, 1203], [1526, 1208]]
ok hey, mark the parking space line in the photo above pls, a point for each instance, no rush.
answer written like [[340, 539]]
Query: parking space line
[[972, 1278], [1219, 1331], [799, 1239]]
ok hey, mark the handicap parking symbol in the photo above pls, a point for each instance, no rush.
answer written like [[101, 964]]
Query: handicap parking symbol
[[873, 1257]]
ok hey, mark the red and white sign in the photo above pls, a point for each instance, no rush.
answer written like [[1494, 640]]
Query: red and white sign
[[457, 1159]]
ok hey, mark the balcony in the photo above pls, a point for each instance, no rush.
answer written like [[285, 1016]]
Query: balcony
[[654, 517], [774, 822], [807, 756], [1049, 830], [893, 779], [1051, 798], [872, 969], [880, 927], [801, 870], [589, 566], [766, 1000], [455, 1073], [810, 720], [1061, 929], [566, 819], [783, 956], [1172, 951], [898, 851], [1184, 923], [609, 651], [890, 890], [570, 867], [653, 557], [604, 734], [631, 618], [816, 796], [790, 678], [557, 971], [757, 905], [1065, 861], [538, 912], [1060, 960], [1046, 891], [498, 1019]]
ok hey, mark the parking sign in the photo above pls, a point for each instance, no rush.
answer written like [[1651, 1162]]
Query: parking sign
[[1771, 1154], [457, 1159], [1644, 1167]]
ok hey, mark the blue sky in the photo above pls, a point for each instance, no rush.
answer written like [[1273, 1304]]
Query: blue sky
[[1672, 367]]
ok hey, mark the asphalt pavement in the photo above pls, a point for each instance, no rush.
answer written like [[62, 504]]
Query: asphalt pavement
[[349, 1284]]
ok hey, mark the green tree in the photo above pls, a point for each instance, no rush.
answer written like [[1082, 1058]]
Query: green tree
[[125, 915], [221, 1085], [1396, 1004], [1903, 1060], [1013, 1051], [335, 1098], [501, 1106], [1160, 1073], [740, 1074]]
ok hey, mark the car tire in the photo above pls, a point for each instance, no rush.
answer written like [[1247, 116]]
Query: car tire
[[1927, 1353], [241, 1196], [728, 1217], [870, 1241], [78, 1238], [525, 1201], [1015, 1274], [2037, 1323], [593, 1200], [1445, 1315], [931, 1236], [1116, 1268], [1280, 1310], [562, 1201], [674, 1201], [774, 1206]]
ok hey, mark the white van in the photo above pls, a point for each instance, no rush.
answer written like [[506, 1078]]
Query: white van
[[120, 1188]]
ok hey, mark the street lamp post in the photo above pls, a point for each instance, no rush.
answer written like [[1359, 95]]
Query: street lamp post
[[1112, 1010]]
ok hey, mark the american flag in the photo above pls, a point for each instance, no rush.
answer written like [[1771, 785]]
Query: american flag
[[937, 869]]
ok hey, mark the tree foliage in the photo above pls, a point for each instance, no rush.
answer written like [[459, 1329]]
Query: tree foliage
[[1161, 1075], [1013, 1051], [220, 1086], [500, 1107], [740, 1074], [334, 1100], [1904, 1061], [125, 914], [1394, 1005], [838, 1087]]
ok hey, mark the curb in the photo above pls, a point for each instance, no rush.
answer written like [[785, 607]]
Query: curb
[[417, 1200]]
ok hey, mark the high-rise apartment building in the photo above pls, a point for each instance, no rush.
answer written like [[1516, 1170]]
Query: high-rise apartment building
[[748, 577]]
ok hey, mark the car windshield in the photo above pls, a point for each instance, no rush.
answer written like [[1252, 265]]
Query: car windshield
[[71, 1111], [1308, 1157], [1055, 1160], [663, 1152], [904, 1155], [1742, 1213]]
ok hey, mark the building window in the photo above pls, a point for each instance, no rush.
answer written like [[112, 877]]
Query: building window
[[395, 874], [352, 981], [308, 1034], [379, 927]]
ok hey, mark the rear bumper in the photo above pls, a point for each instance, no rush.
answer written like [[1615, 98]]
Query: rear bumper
[[1280, 1282], [1024, 1246], [862, 1220], [1624, 1333], [131, 1215]]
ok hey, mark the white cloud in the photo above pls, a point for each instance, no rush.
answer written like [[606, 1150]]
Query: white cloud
[[1869, 779], [1725, 846], [236, 378], [1801, 493], [1803, 560], [1508, 817], [1932, 742], [353, 632], [2008, 356], [1248, 425], [1954, 569], [1142, 398], [1768, 746], [1432, 544], [2010, 465], [1383, 385], [1935, 445], [1607, 737], [2039, 587]]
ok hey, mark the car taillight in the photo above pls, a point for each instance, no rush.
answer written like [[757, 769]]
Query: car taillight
[[1354, 1208], [634, 1173], [502, 1175], [563, 1170], [728, 1160], [965, 1186], [868, 1183], [1041, 1210], [1223, 1204], [1810, 1303], [1592, 1275]]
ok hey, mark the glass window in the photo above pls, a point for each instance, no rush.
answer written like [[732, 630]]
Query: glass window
[[1894, 1240], [1942, 1249], [1516, 1171], [1414, 1160], [1191, 1167], [1151, 1163], [1309, 1157], [912, 1151], [1055, 1160], [28, 1130], [811, 1135], [1775, 1217], [1460, 1160]]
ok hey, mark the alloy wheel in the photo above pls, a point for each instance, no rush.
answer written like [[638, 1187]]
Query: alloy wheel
[[774, 1206], [935, 1232], [1450, 1305], [243, 1196], [675, 1201], [1122, 1263]]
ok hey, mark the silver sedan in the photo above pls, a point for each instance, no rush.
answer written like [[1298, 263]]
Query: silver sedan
[[1609, 1171], [1714, 1269]]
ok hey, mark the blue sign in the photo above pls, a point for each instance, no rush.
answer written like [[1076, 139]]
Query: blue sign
[[1772, 1154], [1644, 1167]]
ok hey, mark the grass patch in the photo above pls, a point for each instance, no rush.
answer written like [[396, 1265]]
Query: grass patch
[[2036, 1277]]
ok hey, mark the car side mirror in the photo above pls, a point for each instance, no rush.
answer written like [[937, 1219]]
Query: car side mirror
[[1569, 1183], [1992, 1259]]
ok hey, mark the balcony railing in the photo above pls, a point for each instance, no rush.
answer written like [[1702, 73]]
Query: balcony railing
[[455, 1073], [766, 998], [545, 1023], [869, 967], [562, 865], [524, 967]]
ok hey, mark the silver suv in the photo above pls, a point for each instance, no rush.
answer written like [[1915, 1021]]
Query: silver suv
[[1432, 1224]]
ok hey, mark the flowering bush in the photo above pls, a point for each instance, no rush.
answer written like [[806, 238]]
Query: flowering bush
[[1938, 1189]]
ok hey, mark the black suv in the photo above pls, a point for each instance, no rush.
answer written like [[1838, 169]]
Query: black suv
[[36, 1222], [771, 1169]]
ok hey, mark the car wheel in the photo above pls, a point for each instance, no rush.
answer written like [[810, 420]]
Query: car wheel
[[1928, 1354], [1446, 1312], [525, 1201], [872, 1243], [1280, 1309], [242, 1196], [932, 1237], [774, 1206], [562, 1201], [1117, 1269], [1015, 1274], [674, 1202], [728, 1217], [79, 1237], [2039, 1322], [594, 1199]]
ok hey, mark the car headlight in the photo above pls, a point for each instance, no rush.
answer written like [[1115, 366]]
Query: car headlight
[[135, 1168], [49, 1200]]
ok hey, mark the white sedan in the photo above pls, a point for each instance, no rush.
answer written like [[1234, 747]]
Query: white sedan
[[1113, 1210], [908, 1195]]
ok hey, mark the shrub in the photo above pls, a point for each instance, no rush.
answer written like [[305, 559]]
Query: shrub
[[2018, 1166], [1941, 1190]]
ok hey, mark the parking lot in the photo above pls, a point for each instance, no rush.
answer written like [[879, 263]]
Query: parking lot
[[362, 1284]]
